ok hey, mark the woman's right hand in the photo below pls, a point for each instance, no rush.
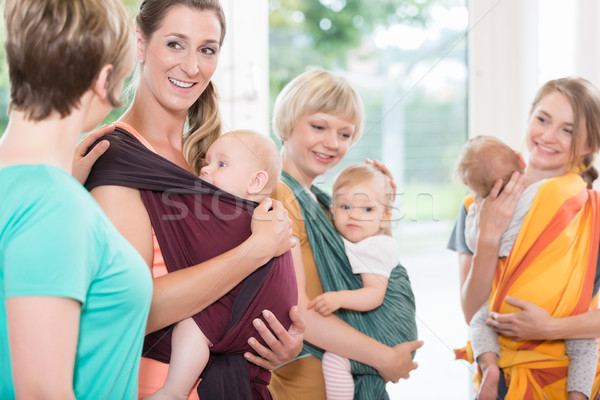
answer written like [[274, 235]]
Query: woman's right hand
[[399, 363], [272, 228], [497, 209]]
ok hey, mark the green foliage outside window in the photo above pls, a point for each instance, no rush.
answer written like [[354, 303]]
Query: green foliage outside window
[[415, 126]]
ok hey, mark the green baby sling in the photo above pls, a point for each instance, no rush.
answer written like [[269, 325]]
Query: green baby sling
[[391, 323]]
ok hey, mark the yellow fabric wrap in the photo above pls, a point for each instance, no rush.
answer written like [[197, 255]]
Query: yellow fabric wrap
[[552, 264]]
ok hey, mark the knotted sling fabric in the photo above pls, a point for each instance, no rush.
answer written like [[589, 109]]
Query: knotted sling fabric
[[391, 323], [553, 265], [194, 222]]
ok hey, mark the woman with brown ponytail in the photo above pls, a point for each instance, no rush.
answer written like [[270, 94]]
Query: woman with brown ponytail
[[175, 115], [551, 273]]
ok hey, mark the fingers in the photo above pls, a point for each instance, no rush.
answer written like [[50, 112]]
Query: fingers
[[280, 346], [513, 301], [498, 319], [266, 357], [495, 189], [261, 362], [414, 345], [502, 324], [275, 326], [413, 366], [92, 137], [265, 333], [265, 205], [515, 181], [384, 169], [298, 323], [95, 153], [320, 305], [82, 163]]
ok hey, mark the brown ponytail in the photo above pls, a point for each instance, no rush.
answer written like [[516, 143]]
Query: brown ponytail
[[203, 127], [589, 173]]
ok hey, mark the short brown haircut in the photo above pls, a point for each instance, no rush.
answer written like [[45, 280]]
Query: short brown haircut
[[484, 160], [56, 48]]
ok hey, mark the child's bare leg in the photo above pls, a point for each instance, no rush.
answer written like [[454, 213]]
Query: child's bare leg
[[491, 376], [189, 355]]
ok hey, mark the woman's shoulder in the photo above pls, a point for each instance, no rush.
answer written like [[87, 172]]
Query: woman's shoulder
[[284, 194]]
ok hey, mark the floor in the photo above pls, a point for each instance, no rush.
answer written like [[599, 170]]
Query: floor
[[433, 273]]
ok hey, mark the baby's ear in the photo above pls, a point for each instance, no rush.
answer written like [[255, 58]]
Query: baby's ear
[[521, 161], [258, 182], [386, 219]]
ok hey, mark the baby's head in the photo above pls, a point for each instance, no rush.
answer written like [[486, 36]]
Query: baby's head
[[484, 160], [362, 202], [243, 163]]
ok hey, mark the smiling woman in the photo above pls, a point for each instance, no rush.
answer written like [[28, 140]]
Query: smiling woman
[[553, 262], [177, 58], [173, 119], [318, 116]]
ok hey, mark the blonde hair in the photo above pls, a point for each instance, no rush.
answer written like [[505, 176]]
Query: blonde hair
[[485, 159], [313, 92], [203, 118], [357, 174], [585, 102], [265, 153], [55, 50]]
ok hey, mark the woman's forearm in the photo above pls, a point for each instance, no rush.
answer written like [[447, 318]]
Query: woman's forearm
[[183, 293], [325, 332], [581, 326], [477, 285]]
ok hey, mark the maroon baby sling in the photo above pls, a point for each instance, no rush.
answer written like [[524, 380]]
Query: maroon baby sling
[[194, 222]]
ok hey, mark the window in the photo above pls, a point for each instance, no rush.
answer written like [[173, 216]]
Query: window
[[408, 61]]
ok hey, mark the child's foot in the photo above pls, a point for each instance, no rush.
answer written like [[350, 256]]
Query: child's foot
[[488, 390]]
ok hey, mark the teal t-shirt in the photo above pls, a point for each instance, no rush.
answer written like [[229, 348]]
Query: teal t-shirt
[[56, 241]]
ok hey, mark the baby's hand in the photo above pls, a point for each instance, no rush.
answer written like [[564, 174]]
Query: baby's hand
[[326, 303]]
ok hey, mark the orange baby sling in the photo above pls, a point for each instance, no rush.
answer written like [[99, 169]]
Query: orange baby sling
[[553, 265]]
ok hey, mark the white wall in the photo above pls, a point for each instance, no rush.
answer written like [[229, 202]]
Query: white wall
[[242, 76], [517, 45]]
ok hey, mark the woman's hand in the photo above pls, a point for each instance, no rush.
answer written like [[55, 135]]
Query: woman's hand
[[399, 363], [531, 322], [272, 229], [497, 209], [82, 162], [385, 171], [282, 347]]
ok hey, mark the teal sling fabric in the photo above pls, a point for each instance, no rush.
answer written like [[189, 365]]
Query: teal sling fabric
[[391, 323]]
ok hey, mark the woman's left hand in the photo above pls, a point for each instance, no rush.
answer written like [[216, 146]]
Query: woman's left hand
[[282, 347], [385, 171], [531, 322]]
